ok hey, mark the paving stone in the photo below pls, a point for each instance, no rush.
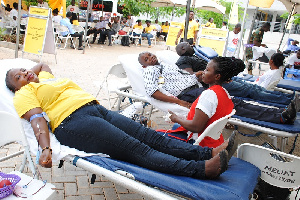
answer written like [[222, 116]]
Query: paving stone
[[82, 182], [89, 191], [106, 184], [121, 189], [131, 196], [70, 189], [110, 193], [64, 179], [98, 197], [59, 186], [89, 197]]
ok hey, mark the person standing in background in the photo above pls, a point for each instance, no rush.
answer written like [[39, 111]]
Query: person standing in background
[[210, 23], [256, 40], [233, 38], [192, 30], [73, 8], [42, 4]]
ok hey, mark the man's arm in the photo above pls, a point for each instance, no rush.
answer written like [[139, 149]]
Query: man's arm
[[195, 36], [162, 97], [178, 35], [41, 67]]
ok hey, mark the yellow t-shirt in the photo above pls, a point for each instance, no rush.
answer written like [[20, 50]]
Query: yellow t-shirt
[[149, 29], [57, 97], [210, 25], [193, 26], [75, 22], [139, 27], [165, 28]]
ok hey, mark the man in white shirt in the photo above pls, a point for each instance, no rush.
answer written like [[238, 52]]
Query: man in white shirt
[[158, 27], [294, 60], [14, 15], [42, 4], [56, 18], [233, 38], [73, 8], [169, 83], [100, 26]]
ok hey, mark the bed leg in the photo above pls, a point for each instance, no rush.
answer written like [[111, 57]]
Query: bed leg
[[61, 162], [93, 178]]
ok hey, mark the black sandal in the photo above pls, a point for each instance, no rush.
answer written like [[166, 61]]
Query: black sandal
[[232, 144]]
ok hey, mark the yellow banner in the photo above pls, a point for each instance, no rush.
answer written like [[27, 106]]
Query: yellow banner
[[261, 3], [35, 34], [216, 45], [39, 11], [172, 34], [213, 32]]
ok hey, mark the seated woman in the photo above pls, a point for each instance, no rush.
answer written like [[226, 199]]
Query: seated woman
[[79, 121], [215, 103], [274, 74]]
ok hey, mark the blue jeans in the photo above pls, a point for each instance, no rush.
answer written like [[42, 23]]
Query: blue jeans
[[148, 36], [240, 88], [94, 129], [134, 34]]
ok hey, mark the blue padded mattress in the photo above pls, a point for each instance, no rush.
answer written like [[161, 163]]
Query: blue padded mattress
[[236, 183]]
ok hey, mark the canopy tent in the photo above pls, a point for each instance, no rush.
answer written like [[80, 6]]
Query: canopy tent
[[294, 7], [204, 5]]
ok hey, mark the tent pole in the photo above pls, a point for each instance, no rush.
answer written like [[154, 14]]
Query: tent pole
[[173, 12], [86, 25], [102, 8], [242, 30], [286, 24], [18, 29], [188, 4]]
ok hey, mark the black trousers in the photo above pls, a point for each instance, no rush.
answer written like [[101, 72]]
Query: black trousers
[[79, 35], [257, 112], [189, 40]]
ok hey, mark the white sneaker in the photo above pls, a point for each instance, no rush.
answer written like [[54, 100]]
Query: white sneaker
[[132, 109]]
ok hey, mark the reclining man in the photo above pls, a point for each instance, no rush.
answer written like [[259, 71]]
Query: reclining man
[[164, 82], [161, 79], [237, 87]]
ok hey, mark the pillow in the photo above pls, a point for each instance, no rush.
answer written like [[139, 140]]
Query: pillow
[[168, 56], [6, 104]]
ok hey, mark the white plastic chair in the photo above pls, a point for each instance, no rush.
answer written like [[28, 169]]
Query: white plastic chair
[[80, 29], [61, 37], [12, 131], [214, 130], [153, 39], [275, 172], [137, 31]]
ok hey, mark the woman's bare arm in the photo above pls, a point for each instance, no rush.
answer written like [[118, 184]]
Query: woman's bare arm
[[196, 125], [41, 67], [41, 132]]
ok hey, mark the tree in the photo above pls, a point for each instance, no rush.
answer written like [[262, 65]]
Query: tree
[[296, 17], [219, 18]]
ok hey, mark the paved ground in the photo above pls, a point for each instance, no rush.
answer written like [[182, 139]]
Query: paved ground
[[88, 70]]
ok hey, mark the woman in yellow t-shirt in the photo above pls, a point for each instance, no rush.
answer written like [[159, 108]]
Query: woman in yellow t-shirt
[[138, 26], [79, 121], [164, 30]]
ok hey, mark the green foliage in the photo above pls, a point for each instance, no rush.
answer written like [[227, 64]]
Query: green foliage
[[219, 18], [296, 17]]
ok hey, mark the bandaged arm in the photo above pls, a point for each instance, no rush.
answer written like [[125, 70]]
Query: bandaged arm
[[41, 132]]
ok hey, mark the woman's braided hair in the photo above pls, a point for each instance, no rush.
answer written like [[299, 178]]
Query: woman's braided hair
[[228, 67]]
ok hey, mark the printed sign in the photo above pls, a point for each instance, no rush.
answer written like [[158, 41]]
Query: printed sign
[[172, 34], [35, 35], [216, 45]]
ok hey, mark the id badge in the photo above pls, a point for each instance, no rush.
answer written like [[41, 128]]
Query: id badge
[[161, 80]]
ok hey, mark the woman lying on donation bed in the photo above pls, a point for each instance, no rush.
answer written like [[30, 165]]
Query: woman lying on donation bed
[[79, 121]]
